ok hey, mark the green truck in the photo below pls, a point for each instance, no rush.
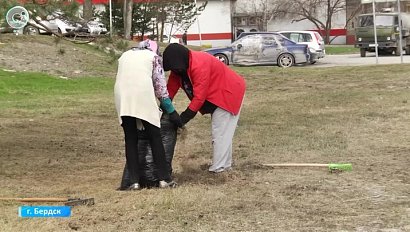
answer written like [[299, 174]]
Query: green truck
[[387, 30]]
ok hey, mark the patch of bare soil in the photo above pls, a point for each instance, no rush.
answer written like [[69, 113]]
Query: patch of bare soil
[[54, 56]]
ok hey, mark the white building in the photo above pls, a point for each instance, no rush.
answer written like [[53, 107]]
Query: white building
[[214, 26], [248, 16], [218, 23]]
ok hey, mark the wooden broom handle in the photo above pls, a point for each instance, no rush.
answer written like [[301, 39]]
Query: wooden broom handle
[[296, 165]]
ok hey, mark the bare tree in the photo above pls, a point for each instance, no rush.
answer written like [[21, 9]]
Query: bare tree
[[319, 12], [177, 14], [162, 8], [184, 15], [127, 15], [352, 10], [87, 10], [262, 10], [267, 13]]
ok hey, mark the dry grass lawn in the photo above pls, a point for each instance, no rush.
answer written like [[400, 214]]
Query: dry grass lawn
[[61, 138]]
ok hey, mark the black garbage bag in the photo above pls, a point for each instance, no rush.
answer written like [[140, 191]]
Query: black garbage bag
[[148, 177]]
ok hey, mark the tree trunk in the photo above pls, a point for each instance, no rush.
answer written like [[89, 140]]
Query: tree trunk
[[88, 10], [161, 20], [328, 22], [127, 18]]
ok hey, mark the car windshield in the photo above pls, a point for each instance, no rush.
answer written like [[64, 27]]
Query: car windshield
[[381, 20]]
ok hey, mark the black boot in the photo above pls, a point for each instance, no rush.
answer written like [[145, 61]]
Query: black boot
[[125, 182]]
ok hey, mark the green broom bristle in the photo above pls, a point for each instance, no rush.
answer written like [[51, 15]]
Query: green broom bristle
[[341, 167]]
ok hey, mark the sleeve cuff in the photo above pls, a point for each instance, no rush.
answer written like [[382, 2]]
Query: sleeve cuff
[[166, 105]]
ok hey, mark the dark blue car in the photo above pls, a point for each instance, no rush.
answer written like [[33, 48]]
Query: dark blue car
[[262, 48], [223, 54]]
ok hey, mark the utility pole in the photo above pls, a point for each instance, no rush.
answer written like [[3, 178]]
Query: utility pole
[[110, 18], [400, 32], [376, 46], [199, 28]]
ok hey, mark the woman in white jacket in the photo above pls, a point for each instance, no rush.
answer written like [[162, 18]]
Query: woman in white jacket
[[139, 82]]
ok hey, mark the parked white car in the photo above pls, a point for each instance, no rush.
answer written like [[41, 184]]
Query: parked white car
[[68, 27], [312, 38], [65, 26], [96, 28], [34, 28], [165, 38]]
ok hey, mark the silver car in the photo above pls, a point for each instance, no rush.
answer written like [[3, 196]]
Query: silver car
[[96, 28], [312, 39], [268, 49], [34, 28]]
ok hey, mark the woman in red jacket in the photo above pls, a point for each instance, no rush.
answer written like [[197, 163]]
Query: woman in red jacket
[[213, 88]]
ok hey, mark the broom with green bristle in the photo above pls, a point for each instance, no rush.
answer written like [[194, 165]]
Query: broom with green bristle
[[331, 167]]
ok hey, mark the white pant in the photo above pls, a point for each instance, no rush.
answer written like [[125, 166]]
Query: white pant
[[223, 129]]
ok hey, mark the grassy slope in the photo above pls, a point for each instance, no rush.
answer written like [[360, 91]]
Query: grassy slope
[[349, 114], [34, 94]]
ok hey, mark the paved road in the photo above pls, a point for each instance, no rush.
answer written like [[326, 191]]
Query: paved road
[[356, 60]]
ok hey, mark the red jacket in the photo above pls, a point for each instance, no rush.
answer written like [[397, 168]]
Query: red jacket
[[213, 81]]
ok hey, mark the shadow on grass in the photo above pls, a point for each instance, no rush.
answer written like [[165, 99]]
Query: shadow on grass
[[193, 173]]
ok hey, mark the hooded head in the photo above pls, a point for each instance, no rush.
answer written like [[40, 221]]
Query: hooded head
[[176, 58], [150, 45]]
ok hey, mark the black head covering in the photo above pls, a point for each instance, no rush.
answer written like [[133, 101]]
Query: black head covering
[[176, 57]]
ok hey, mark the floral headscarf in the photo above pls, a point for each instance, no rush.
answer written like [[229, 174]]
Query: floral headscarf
[[150, 45]]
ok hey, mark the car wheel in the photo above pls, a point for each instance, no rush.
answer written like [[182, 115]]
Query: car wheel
[[362, 52], [286, 60], [398, 51], [31, 30], [407, 50], [222, 58]]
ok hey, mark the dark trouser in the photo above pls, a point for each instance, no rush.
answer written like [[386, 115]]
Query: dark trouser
[[129, 124]]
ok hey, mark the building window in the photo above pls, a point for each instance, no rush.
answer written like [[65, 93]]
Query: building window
[[243, 21], [240, 21], [252, 21]]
